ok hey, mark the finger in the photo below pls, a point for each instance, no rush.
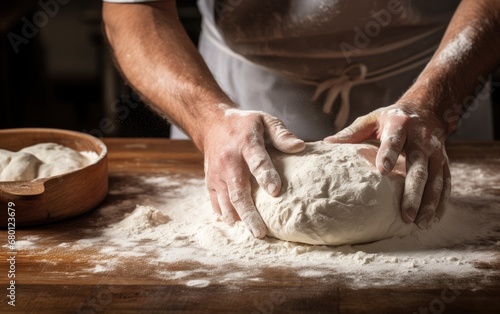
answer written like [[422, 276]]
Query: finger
[[262, 168], [240, 195], [214, 202], [228, 213], [392, 141], [361, 129], [415, 181], [432, 194], [445, 194], [281, 138]]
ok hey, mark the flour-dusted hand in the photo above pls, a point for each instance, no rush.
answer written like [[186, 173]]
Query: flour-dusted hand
[[419, 136], [234, 150]]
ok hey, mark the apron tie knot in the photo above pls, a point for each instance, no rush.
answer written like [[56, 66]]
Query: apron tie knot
[[341, 85]]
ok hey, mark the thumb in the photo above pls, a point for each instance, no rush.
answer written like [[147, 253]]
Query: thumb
[[361, 129], [280, 137]]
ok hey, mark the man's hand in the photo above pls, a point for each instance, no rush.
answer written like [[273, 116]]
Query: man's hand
[[419, 136], [234, 150], [412, 126]]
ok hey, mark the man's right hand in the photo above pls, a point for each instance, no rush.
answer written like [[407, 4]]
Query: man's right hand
[[234, 149]]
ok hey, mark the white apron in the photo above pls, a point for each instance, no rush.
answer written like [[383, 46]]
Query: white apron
[[317, 65]]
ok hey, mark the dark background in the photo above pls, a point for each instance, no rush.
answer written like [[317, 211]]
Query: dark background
[[64, 77]]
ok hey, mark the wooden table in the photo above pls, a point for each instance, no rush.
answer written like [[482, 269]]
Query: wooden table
[[39, 289]]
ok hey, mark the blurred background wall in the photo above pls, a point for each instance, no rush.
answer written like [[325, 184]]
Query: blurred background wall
[[59, 72]]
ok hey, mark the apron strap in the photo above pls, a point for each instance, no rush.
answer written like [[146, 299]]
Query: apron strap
[[342, 83]]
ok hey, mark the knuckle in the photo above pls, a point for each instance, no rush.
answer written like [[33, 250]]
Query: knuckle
[[406, 120], [394, 140], [267, 176], [437, 186], [252, 139], [420, 173], [237, 197], [277, 128], [274, 122], [209, 182], [416, 156], [226, 156], [257, 163], [281, 131]]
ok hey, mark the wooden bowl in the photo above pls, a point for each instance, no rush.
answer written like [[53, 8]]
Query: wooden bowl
[[46, 200]]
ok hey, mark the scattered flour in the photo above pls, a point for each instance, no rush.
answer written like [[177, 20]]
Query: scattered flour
[[456, 49], [169, 224], [198, 283], [101, 268]]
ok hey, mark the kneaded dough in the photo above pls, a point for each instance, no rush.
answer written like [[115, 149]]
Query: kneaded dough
[[333, 194], [41, 161]]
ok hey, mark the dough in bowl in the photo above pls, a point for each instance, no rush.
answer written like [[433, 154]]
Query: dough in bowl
[[333, 194], [42, 161]]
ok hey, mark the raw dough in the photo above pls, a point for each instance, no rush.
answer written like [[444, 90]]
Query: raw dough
[[42, 161], [333, 194]]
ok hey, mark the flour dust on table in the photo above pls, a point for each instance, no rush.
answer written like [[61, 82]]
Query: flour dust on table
[[166, 224], [42, 161]]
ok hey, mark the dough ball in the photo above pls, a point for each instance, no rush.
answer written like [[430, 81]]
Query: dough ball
[[57, 159], [18, 166], [41, 161], [332, 194]]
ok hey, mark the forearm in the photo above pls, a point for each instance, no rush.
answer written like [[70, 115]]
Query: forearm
[[468, 52], [158, 59]]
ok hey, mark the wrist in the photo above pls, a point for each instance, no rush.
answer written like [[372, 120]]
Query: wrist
[[438, 96], [208, 120]]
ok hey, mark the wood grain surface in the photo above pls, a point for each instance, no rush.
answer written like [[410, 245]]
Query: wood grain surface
[[43, 286]]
